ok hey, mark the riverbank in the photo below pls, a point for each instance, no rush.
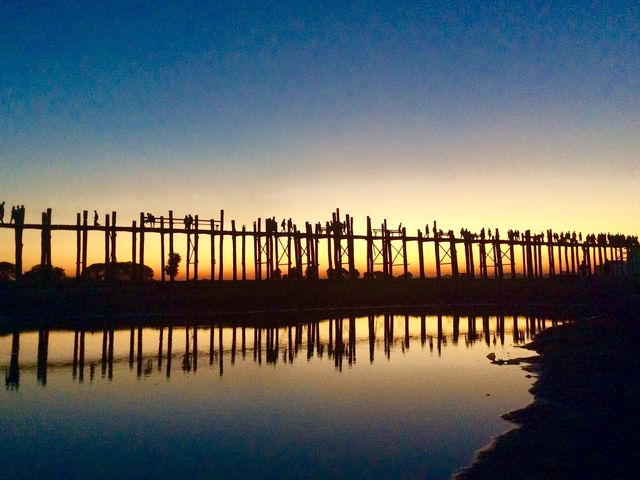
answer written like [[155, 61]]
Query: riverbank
[[560, 296], [584, 420]]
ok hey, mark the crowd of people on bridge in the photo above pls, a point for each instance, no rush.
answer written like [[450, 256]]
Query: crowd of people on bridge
[[17, 214]]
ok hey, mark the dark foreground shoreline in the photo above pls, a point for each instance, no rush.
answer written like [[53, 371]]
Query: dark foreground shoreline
[[584, 421], [560, 296]]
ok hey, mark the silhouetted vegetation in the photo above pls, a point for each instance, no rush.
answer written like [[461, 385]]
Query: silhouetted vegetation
[[117, 272], [7, 272], [171, 268], [44, 275]]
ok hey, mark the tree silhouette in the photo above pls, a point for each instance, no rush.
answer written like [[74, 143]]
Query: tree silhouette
[[7, 271], [171, 268]]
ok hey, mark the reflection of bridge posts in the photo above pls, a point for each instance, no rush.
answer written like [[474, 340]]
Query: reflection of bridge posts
[[406, 332], [139, 356], [372, 338], [501, 329], [471, 328], [352, 340], [132, 340], [233, 346], [516, 332], [272, 345], [387, 335], [211, 344], [244, 342], [74, 371], [439, 335], [310, 342], [290, 344], [423, 329], [339, 346], [456, 329], [43, 351], [160, 342], [110, 356], [169, 350], [103, 357], [12, 379], [485, 330], [220, 351], [195, 347], [81, 367]]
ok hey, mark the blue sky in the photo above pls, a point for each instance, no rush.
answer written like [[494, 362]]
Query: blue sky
[[524, 114]]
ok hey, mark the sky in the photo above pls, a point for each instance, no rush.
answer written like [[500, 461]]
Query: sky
[[476, 114]]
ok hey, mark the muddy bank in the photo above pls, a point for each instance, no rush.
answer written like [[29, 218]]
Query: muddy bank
[[585, 418]]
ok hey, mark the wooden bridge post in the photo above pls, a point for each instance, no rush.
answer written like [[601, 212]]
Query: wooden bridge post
[[329, 251], [171, 251], [534, 241], [559, 246], [405, 263], [107, 228], [528, 254], [275, 253], [512, 256], [540, 241], [48, 239], [221, 263], [114, 257], [552, 262], [468, 254], [436, 243], [78, 243], [141, 254], [233, 251], [310, 249], [453, 254], [482, 250], [337, 246], [351, 246], [133, 244], [85, 238], [213, 249], [297, 246], [387, 262], [243, 258], [189, 254], [43, 241], [162, 255], [369, 248], [497, 253], [289, 262], [421, 254], [256, 251], [196, 241]]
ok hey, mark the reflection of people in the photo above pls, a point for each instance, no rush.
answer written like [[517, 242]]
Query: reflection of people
[[95, 219], [2, 212]]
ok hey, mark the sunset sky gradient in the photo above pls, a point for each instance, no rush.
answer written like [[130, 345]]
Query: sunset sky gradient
[[477, 114]]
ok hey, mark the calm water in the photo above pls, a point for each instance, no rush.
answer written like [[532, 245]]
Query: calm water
[[367, 397]]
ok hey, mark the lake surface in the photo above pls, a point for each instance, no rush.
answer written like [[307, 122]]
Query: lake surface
[[362, 397]]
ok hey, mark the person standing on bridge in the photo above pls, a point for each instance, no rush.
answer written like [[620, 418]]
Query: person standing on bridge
[[95, 219], [2, 212]]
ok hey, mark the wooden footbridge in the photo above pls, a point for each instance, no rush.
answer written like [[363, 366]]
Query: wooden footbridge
[[280, 248]]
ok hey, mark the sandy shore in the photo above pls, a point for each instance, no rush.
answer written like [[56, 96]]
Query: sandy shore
[[585, 418]]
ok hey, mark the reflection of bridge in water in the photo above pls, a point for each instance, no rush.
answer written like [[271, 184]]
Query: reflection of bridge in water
[[94, 353], [281, 248]]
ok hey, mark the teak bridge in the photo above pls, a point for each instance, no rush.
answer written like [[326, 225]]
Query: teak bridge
[[282, 247]]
